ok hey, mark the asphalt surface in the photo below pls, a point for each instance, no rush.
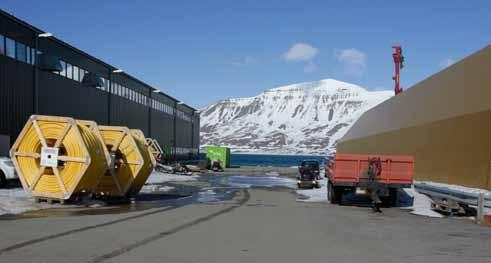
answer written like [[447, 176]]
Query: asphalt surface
[[255, 225]]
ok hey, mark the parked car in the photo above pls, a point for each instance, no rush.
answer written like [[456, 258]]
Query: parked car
[[7, 171], [309, 174]]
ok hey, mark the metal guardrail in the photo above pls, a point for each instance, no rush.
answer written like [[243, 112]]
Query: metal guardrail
[[457, 195]]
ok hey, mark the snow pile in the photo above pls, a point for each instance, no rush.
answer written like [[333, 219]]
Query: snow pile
[[421, 204], [314, 195], [304, 118], [17, 201], [158, 177]]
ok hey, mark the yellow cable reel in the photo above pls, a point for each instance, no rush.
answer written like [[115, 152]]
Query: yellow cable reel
[[149, 162], [126, 162], [155, 148], [57, 158]]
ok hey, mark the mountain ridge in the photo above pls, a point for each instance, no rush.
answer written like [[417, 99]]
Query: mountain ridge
[[301, 118]]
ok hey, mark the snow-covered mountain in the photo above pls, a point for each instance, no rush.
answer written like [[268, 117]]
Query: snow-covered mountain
[[305, 118]]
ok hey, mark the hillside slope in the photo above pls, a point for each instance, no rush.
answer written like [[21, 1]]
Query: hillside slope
[[303, 118]]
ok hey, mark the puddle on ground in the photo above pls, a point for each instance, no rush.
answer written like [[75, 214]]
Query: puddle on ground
[[207, 189], [245, 181]]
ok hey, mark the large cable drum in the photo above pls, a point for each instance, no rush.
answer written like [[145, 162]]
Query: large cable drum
[[126, 162], [92, 125], [56, 158], [149, 162], [155, 148]]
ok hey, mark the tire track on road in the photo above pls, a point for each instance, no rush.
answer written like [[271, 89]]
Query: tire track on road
[[128, 248], [77, 230]]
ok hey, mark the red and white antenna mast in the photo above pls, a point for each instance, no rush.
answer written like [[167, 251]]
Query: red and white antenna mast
[[398, 61]]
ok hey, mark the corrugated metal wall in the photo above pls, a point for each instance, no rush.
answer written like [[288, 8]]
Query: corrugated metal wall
[[15, 95], [442, 121], [59, 95]]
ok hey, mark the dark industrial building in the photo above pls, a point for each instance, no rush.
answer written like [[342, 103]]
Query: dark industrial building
[[65, 81]]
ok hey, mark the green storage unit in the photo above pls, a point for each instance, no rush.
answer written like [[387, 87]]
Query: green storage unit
[[219, 153]]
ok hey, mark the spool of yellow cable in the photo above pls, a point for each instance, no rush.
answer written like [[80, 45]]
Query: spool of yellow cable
[[155, 148], [149, 162], [92, 125], [126, 162], [57, 158], [140, 136]]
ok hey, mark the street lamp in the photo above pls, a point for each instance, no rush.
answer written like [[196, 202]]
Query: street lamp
[[46, 34], [118, 70], [36, 73]]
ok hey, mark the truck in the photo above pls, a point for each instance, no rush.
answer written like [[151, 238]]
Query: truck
[[380, 176]]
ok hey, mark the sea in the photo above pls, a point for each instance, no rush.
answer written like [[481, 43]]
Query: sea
[[270, 160]]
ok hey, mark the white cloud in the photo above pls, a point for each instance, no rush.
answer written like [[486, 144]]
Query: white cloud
[[447, 62], [300, 52], [353, 60]]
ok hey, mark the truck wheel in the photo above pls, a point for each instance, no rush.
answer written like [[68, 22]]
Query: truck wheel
[[3, 180], [334, 194]]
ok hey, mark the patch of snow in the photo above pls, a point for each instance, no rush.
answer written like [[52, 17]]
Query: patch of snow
[[17, 201], [273, 174], [421, 204], [158, 177], [314, 195]]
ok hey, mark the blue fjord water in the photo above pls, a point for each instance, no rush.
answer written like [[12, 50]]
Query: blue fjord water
[[270, 160]]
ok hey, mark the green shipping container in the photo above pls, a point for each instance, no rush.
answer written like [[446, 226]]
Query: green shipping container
[[219, 153]]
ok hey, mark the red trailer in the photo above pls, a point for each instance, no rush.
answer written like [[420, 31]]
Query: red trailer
[[379, 175]]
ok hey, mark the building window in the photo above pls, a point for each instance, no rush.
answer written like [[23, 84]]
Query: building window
[[63, 68], [82, 74], [108, 84], [75, 73], [69, 71], [2, 44], [10, 44], [33, 56], [21, 52]]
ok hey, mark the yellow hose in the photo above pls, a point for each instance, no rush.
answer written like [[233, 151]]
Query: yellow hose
[[80, 164], [92, 125], [127, 161], [149, 162]]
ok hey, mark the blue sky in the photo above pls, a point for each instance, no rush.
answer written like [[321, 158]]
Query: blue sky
[[203, 51]]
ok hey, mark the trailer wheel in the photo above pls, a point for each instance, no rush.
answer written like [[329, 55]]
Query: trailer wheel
[[3, 180], [334, 194]]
